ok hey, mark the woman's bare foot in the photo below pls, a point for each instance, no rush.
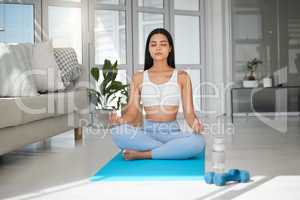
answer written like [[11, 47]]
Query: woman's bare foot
[[135, 155]]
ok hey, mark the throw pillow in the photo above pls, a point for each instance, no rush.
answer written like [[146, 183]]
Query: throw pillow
[[15, 71], [45, 70], [67, 62]]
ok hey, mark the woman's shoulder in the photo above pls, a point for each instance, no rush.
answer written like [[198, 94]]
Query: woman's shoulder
[[138, 74], [182, 74]]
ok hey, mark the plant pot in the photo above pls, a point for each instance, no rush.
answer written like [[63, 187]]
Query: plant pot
[[267, 82], [250, 83], [100, 118], [139, 120]]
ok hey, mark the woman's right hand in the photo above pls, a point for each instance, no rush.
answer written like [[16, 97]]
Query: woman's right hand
[[113, 119]]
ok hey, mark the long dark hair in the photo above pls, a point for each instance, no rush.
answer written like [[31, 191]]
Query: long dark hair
[[171, 57]]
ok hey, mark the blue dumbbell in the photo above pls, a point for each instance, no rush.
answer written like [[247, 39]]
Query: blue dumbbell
[[232, 175], [243, 174], [220, 179], [209, 177]]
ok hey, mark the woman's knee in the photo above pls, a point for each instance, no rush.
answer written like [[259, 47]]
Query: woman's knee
[[119, 135], [120, 129], [122, 132]]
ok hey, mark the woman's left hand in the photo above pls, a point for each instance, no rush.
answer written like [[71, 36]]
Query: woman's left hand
[[197, 126]]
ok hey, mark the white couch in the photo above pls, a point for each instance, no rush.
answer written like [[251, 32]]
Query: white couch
[[26, 120]]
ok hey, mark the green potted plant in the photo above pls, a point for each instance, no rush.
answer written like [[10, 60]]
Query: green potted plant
[[109, 94], [250, 78]]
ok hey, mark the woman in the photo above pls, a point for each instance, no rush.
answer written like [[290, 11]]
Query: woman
[[160, 87]]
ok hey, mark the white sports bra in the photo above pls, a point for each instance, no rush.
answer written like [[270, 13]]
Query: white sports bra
[[160, 94]]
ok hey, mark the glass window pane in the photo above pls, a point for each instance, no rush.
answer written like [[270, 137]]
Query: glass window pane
[[114, 2], [147, 22], [247, 27], [246, 4], [16, 23], [110, 36], [246, 52], [186, 5], [76, 1], [187, 39], [2, 17], [196, 86], [152, 3], [65, 28]]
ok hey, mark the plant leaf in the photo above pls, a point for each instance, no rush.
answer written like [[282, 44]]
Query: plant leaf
[[95, 73], [106, 68]]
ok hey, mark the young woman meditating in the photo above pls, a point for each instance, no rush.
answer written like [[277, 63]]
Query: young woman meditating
[[160, 87]]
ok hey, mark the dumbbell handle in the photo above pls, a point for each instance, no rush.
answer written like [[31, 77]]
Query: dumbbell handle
[[229, 177]]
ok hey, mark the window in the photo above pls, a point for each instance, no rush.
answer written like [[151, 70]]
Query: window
[[147, 22], [192, 5], [150, 15], [187, 21], [151, 4], [196, 84], [112, 2], [76, 1], [188, 36], [247, 36], [16, 23], [110, 36], [121, 29], [187, 40], [118, 29], [122, 37], [64, 26], [110, 31], [242, 29]]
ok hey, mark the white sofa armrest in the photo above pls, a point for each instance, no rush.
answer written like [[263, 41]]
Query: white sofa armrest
[[83, 81]]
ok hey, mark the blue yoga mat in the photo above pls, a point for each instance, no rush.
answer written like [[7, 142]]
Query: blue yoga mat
[[119, 169]]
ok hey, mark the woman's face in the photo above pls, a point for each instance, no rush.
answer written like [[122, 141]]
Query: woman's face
[[159, 47]]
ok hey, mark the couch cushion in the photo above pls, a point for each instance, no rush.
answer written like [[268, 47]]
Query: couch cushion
[[21, 110], [46, 73], [11, 114], [15, 70], [36, 108], [67, 62]]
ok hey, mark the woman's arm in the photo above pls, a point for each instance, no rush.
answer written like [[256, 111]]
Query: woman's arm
[[187, 102], [132, 108]]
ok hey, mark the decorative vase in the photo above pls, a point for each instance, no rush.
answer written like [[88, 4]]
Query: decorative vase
[[100, 118]]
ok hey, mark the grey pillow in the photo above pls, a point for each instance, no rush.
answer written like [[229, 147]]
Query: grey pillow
[[67, 62]]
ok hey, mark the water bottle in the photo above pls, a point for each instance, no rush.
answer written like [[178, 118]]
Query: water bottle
[[218, 154]]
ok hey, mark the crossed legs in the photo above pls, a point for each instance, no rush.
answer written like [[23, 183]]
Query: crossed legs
[[138, 144]]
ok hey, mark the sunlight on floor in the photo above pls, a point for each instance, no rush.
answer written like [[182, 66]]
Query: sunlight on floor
[[286, 187]]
